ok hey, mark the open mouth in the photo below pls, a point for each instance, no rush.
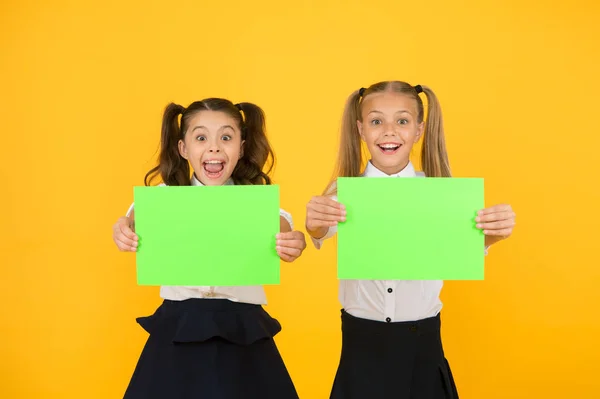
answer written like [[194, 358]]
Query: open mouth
[[213, 169], [389, 148]]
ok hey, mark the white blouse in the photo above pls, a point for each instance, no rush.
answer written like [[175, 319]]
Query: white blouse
[[249, 294], [388, 300]]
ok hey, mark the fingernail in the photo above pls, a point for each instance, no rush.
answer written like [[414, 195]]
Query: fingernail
[[344, 213], [278, 248], [478, 219], [480, 213], [278, 242], [478, 225], [343, 219]]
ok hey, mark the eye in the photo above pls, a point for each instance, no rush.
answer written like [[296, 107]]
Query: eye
[[201, 138], [375, 122], [226, 137], [403, 121]]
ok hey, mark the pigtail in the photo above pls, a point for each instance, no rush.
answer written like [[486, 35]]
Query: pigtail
[[256, 151], [172, 167], [350, 155], [434, 157]]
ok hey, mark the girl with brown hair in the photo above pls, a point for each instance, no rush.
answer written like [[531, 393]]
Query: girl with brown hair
[[212, 342], [391, 344]]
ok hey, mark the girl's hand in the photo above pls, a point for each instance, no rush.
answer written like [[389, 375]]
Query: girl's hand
[[323, 213], [497, 223], [290, 245], [123, 235]]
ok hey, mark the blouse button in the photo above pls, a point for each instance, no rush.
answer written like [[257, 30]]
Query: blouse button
[[387, 319], [390, 290]]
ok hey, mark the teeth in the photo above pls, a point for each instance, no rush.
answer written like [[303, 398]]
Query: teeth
[[389, 146], [213, 162]]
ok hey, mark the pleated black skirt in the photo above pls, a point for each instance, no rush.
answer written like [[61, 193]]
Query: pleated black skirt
[[403, 360], [210, 349]]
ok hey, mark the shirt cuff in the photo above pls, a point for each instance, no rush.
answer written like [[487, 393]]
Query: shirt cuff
[[486, 250], [287, 216], [129, 211]]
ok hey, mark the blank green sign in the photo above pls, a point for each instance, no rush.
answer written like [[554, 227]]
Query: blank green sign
[[207, 235], [410, 229]]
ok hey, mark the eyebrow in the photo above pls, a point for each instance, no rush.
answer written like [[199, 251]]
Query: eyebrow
[[402, 111], [221, 128]]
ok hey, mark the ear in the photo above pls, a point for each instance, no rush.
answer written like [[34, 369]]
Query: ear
[[182, 149], [359, 125], [420, 129], [242, 149]]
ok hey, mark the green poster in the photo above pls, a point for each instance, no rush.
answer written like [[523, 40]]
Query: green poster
[[207, 235], [410, 229]]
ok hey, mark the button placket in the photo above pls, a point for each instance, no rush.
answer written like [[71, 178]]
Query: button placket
[[389, 300]]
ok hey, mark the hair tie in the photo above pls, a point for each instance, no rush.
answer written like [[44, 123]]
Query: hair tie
[[419, 89], [361, 91], [242, 113], [179, 117]]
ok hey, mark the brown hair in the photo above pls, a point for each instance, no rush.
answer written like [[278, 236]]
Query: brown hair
[[351, 160], [174, 170]]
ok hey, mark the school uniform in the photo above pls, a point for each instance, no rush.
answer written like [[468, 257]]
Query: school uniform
[[213, 343], [391, 343]]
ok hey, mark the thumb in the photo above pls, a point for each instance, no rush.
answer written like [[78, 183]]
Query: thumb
[[124, 226]]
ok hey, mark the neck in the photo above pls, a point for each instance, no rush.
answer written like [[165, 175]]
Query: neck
[[392, 170], [195, 177]]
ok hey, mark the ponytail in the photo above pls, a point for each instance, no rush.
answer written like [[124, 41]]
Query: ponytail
[[350, 155], [434, 157], [256, 151], [172, 167]]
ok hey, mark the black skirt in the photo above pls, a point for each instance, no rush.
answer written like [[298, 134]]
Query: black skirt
[[403, 360], [210, 349]]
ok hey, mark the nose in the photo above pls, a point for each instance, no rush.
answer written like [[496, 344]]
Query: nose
[[214, 147], [390, 129]]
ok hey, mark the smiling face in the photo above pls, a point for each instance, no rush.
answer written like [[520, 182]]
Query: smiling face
[[390, 128], [213, 145]]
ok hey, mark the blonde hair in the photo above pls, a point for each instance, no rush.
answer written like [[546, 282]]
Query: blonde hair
[[351, 160]]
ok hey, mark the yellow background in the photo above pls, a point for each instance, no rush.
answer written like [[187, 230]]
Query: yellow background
[[82, 89]]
